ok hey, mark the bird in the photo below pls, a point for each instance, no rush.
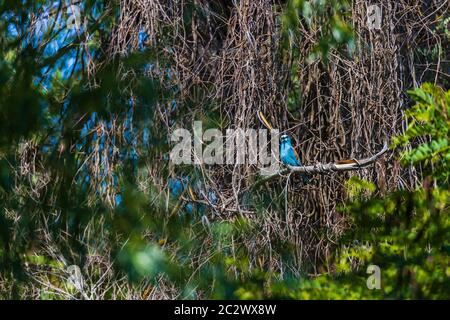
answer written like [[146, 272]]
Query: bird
[[288, 155]]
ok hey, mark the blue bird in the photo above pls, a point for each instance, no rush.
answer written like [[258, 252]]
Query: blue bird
[[288, 155]]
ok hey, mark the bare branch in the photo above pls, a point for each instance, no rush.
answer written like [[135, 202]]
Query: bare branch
[[321, 168], [353, 164]]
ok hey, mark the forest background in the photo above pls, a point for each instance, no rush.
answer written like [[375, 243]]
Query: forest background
[[90, 92]]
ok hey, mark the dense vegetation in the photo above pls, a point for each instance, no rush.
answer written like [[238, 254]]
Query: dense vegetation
[[88, 103]]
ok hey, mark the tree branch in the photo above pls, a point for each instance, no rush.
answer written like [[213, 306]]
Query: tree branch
[[320, 168]]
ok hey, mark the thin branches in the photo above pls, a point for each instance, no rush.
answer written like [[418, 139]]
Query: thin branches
[[231, 56], [326, 168]]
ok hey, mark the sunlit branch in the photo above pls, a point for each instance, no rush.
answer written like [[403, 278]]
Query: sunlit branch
[[325, 168]]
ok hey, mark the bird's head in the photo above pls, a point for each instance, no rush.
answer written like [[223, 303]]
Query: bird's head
[[285, 139]]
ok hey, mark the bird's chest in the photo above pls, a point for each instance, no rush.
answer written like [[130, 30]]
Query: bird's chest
[[288, 155], [284, 151]]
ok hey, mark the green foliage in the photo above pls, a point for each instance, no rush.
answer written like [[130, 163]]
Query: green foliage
[[329, 18], [429, 131], [407, 233], [358, 187], [148, 238], [329, 21]]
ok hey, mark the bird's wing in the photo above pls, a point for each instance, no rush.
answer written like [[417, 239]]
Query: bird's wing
[[297, 158], [289, 158]]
